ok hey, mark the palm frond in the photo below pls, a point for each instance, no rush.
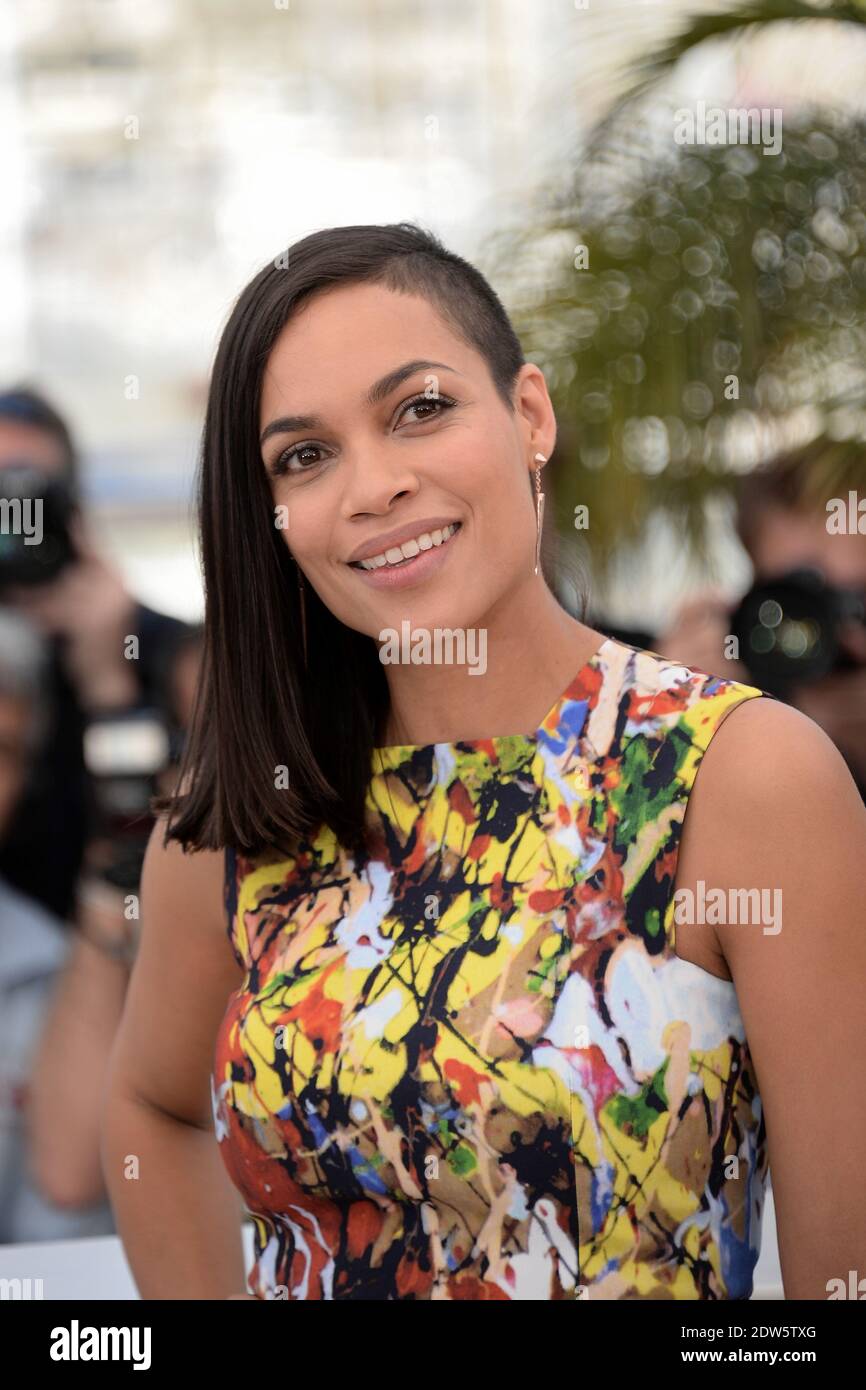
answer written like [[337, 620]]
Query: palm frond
[[642, 75]]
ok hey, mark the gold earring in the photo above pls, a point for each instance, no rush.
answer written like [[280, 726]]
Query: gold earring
[[539, 511], [302, 598]]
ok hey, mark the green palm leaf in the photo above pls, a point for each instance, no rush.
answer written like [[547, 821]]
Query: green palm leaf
[[704, 265]]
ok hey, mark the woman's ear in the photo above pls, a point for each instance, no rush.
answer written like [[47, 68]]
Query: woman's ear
[[533, 404]]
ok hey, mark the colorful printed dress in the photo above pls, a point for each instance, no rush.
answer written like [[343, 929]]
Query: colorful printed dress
[[474, 1066]]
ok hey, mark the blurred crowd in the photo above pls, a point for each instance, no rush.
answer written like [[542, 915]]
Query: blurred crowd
[[97, 689]]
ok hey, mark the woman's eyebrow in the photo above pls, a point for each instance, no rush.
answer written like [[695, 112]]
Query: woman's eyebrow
[[287, 424]]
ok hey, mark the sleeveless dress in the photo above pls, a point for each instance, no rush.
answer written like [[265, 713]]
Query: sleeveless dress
[[474, 1066]]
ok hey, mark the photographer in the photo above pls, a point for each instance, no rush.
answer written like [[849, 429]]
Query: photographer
[[34, 949], [79, 602], [119, 681], [801, 629]]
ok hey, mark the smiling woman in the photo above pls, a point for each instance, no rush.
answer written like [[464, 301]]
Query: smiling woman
[[461, 1046], [331, 439]]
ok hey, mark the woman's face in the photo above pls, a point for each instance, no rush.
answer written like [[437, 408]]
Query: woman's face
[[436, 446]]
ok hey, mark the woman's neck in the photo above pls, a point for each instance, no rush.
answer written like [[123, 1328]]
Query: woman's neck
[[527, 664]]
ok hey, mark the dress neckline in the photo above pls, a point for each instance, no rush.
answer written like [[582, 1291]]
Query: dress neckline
[[391, 753]]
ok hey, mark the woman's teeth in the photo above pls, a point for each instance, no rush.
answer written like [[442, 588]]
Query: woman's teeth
[[398, 555]]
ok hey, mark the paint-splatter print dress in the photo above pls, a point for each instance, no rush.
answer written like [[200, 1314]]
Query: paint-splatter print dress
[[474, 1066]]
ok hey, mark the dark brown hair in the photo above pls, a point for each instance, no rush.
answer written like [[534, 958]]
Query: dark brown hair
[[258, 713]]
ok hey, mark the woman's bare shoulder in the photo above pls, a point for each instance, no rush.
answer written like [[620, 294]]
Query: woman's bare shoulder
[[768, 758], [773, 803], [191, 882], [764, 751]]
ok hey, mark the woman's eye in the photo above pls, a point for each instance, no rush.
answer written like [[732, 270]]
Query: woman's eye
[[282, 463], [436, 404], [285, 462]]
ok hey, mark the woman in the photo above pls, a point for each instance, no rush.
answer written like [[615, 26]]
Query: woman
[[469, 1044]]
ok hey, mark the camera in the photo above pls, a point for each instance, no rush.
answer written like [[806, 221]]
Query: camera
[[788, 628], [124, 753]]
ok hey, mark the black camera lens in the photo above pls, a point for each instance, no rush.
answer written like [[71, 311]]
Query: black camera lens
[[787, 629]]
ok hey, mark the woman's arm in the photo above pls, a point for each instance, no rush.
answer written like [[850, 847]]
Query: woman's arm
[[177, 1212], [774, 807]]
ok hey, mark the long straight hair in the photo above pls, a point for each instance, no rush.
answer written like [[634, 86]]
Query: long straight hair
[[276, 750]]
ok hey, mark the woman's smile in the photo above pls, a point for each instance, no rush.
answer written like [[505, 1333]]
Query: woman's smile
[[397, 573]]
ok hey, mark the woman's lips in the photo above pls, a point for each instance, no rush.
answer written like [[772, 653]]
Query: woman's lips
[[413, 571]]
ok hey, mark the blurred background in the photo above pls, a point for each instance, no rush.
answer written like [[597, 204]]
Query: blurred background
[[697, 301]]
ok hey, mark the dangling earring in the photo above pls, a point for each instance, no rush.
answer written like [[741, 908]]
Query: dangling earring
[[539, 510], [302, 598]]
